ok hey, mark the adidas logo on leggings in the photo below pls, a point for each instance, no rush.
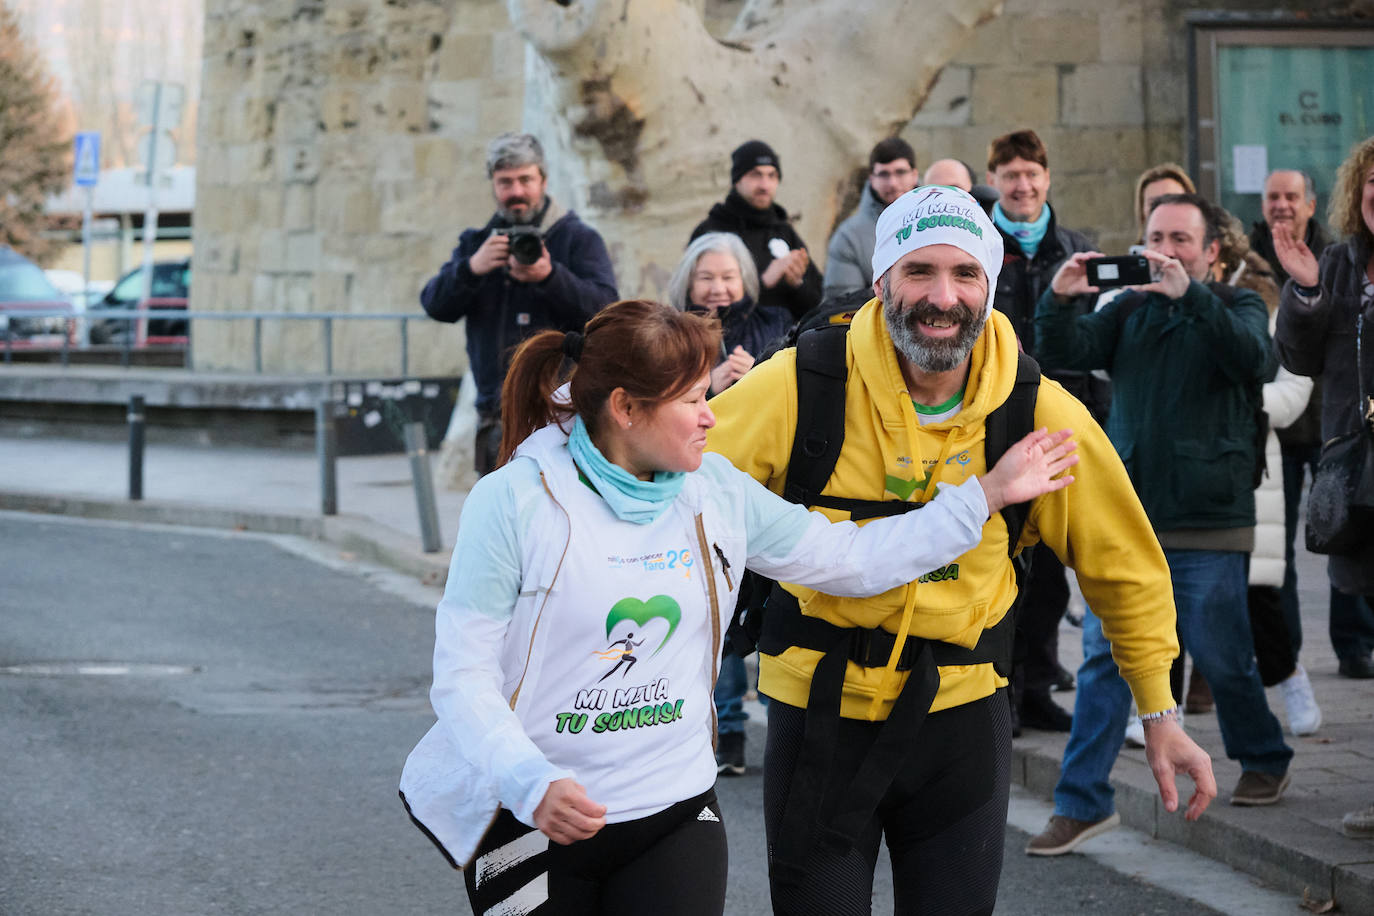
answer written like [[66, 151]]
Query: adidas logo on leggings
[[707, 815]]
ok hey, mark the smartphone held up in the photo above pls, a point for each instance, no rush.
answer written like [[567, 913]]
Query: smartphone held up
[[1125, 270]]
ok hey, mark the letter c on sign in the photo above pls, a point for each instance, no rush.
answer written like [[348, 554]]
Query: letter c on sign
[[1307, 100]]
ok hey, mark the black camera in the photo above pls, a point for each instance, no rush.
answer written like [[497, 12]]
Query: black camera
[[1129, 270], [526, 246]]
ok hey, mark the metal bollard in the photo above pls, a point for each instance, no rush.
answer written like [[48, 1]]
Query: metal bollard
[[136, 424], [418, 450], [327, 450]]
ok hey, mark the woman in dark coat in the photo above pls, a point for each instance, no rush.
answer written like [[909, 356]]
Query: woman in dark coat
[[716, 277]]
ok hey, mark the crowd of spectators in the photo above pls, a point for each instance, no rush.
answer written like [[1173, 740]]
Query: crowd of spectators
[[1218, 376]]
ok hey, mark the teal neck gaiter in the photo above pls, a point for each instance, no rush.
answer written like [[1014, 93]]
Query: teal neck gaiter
[[1027, 235], [631, 499]]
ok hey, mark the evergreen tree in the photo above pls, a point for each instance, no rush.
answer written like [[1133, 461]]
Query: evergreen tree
[[35, 151]]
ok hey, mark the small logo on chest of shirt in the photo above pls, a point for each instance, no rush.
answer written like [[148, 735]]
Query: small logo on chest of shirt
[[679, 561]]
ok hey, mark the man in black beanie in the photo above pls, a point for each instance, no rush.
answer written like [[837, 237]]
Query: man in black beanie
[[787, 278]]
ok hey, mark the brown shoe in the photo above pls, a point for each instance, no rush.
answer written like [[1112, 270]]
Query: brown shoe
[[1064, 834], [1199, 697], [1256, 788]]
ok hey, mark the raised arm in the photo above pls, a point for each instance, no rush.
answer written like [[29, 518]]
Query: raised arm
[[451, 293], [1063, 337], [577, 290], [1304, 320], [787, 543]]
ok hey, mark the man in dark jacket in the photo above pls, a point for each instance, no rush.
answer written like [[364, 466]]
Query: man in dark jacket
[[1187, 360], [532, 266], [1289, 205], [1035, 245], [787, 277]]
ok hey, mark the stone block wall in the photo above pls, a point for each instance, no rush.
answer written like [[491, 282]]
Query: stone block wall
[[1104, 84], [341, 149]]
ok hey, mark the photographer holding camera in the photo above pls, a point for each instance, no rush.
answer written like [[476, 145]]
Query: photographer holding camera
[[532, 266]]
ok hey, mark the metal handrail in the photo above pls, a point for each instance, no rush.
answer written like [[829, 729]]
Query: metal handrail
[[131, 315]]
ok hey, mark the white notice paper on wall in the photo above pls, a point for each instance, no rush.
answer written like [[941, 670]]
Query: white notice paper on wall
[[1250, 165]]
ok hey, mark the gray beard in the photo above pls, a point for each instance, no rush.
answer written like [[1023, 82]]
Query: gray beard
[[925, 353], [530, 215]]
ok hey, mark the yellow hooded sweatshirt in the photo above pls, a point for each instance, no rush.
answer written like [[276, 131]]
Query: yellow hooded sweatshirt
[[1095, 525]]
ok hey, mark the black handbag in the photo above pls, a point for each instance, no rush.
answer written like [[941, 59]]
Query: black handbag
[[1340, 505]]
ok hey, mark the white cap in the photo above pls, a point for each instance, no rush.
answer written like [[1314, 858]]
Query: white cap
[[938, 215]]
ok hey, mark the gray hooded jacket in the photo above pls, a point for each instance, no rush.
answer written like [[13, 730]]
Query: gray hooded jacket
[[849, 259]]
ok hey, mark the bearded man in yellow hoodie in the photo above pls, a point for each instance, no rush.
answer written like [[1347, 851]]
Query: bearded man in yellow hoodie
[[928, 360]]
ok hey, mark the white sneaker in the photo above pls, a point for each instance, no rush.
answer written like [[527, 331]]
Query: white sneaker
[[1304, 716], [1135, 731]]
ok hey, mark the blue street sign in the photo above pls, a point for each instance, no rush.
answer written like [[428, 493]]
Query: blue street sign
[[86, 170]]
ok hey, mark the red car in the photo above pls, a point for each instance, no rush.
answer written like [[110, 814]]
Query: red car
[[25, 288], [169, 291]]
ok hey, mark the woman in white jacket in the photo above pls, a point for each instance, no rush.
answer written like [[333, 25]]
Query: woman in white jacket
[[577, 640]]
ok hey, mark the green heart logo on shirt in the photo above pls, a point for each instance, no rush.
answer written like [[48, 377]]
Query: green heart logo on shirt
[[641, 612]]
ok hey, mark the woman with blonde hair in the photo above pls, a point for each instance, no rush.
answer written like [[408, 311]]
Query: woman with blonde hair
[[1156, 181]]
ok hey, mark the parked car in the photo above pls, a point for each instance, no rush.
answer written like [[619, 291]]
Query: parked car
[[169, 291], [71, 284], [24, 288]]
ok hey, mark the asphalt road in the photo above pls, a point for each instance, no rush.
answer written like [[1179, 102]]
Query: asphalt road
[[200, 723]]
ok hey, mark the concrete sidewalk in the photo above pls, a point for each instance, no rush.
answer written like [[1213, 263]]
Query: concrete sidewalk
[[1296, 846], [254, 489]]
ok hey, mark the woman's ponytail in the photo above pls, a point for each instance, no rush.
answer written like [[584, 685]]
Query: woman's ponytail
[[527, 404]]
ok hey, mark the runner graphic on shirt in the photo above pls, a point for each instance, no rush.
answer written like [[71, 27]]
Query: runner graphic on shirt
[[626, 655]]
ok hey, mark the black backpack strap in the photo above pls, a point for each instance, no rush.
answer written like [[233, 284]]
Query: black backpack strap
[[1008, 423], [821, 376]]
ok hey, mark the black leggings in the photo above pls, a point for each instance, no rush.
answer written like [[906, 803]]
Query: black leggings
[[670, 863], [943, 817]]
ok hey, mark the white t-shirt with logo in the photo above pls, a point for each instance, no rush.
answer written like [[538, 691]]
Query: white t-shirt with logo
[[622, 699]]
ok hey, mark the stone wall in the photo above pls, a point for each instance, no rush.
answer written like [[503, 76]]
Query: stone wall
[[341, 154], [1104, 84], [341, 147]]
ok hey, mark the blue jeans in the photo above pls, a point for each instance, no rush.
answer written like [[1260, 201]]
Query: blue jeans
[[730, 689], [1101, 703], [1210, 595]]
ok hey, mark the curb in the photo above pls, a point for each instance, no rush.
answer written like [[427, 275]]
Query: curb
[[359, 536], [1250, 840]]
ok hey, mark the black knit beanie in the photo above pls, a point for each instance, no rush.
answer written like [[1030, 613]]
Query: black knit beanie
[[750, 155]]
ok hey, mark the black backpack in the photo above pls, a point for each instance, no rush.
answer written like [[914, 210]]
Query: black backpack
[[766, 616]]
